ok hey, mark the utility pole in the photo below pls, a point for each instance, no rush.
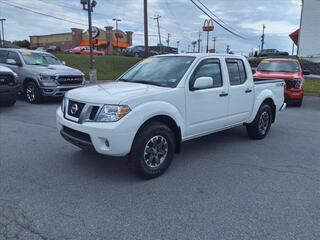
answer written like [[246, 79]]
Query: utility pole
[[88, 5], [168, 40], [2, 30], [199, 41], [214, 44], [158, 24], [292, 49], [228, 49], [146, 43], [178, 46], [194, 43], [117, 20], [262, 37]]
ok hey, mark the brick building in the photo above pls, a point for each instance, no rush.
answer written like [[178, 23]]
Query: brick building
[[108, 39]]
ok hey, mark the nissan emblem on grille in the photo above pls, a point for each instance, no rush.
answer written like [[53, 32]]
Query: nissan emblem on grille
[[74, 108]]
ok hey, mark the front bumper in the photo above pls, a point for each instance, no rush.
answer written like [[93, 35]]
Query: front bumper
[[58, 91], [297, 94], [113, 138]]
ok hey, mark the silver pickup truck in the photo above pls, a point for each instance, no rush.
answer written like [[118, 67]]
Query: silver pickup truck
[[41, 74]]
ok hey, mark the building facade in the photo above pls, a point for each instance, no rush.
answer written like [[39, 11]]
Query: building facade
[[106, 39], [309, 32]]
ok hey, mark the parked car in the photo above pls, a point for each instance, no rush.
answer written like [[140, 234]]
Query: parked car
[[41, 74], [165, 100], [9, 86], [272, 52], [287, 69], [137, 51], [85, 51]]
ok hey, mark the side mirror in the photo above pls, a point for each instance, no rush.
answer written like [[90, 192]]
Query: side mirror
[[306, 72], [253, 70], [202, 83], [63, 62], [11, 62]]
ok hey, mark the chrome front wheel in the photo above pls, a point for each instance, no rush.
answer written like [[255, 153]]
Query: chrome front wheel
[[155, 151]]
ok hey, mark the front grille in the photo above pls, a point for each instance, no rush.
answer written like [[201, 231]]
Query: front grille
[[70, 80], [77, 134], [93, 113], [7, 79], [75, 108]]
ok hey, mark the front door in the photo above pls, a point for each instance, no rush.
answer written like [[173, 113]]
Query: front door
[[206, 108]]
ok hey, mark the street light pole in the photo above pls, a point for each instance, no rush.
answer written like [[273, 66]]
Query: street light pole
[[88, 5], [146, 43], [2, 30], [117, 20], [214, 44], [262, 37]]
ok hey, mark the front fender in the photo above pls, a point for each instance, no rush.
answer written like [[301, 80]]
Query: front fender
[[152, 109]]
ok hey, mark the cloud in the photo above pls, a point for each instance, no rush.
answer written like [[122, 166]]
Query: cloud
[[279, 28], [180, 18]]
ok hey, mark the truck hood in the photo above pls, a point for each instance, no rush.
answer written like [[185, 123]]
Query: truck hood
[[281, 75], [114, 92], [54, 69], [5, 70]]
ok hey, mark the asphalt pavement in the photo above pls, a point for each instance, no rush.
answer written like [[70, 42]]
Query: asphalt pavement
[[222, 186]]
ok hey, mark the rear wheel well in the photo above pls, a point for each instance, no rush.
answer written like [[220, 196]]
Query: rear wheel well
[[270, 102], [171, 124]]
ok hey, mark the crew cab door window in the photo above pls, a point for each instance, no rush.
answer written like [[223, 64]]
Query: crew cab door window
[[207, 108], [3, 56], [14, 56], [208, 68], [237, 72]]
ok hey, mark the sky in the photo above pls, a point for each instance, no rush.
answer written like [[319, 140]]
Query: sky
[[180, 18]]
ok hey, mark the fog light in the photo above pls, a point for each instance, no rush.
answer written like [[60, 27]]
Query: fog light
[[107, 143]]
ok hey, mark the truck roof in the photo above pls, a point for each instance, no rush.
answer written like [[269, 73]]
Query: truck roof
[[23, 50], [205, 55]]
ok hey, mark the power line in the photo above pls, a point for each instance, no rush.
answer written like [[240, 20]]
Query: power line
[[226, 24], [225, 28], [40, 13]]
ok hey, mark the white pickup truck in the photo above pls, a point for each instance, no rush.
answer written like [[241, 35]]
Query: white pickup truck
[[165, 100]]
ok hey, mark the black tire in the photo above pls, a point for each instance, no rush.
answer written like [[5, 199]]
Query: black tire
[[32, 93], [260, 126], [152, 137], [299, 103], [11, 102]]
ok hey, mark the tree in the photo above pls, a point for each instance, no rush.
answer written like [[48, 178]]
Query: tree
[[22, 44]]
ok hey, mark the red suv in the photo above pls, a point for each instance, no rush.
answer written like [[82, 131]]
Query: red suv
[[287, 69]]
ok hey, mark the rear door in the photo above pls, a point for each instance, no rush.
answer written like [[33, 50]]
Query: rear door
[[206, 108], [241, 94]]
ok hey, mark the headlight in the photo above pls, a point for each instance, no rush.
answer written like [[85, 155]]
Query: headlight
[[63, 104], [297, 83], [45, 77], [112, 113]]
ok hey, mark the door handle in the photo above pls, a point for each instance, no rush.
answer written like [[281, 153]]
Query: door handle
[[248, 91], [223, 94]]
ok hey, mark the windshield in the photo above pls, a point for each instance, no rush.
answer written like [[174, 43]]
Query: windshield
[[162, 71], [32, 58], [278, 66]]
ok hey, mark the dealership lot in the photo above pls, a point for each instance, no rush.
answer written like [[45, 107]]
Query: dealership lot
[[222, 186]]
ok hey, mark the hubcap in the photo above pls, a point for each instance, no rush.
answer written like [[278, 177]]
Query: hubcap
[[155, 151], [31, 93], [264, 121]]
